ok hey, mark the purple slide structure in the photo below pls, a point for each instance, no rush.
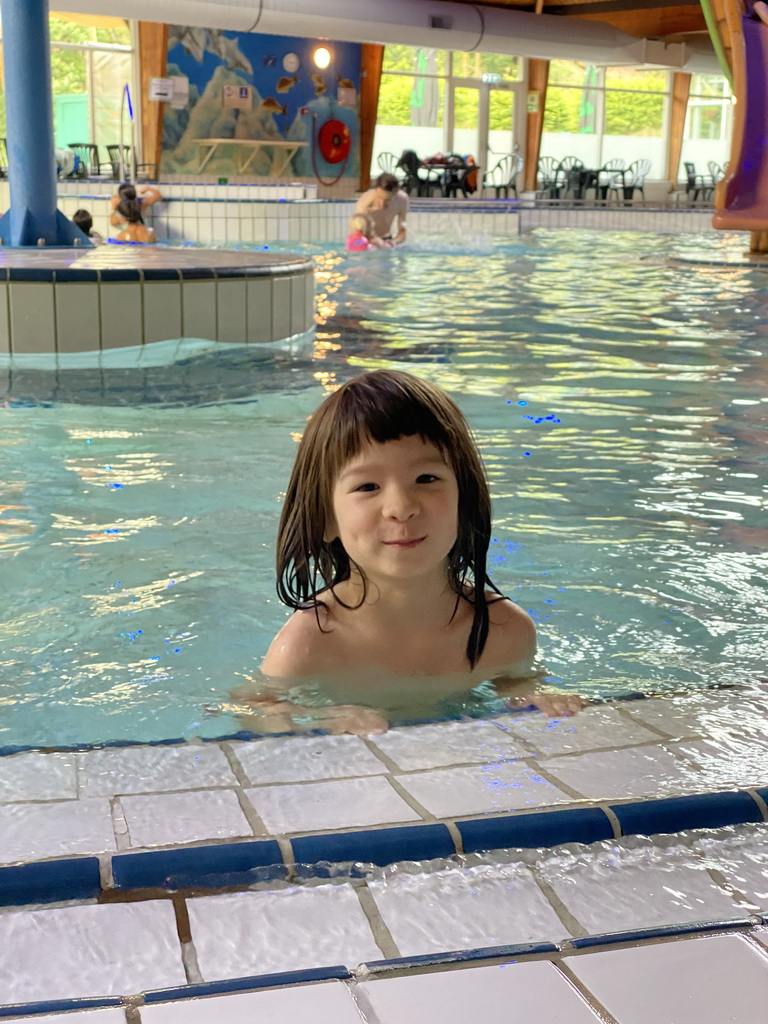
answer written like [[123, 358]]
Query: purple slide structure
[[744, 193]]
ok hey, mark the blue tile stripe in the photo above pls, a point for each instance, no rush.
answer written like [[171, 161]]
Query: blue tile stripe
[[74, 878], [706, 810], [460, 956], [206, 866], [58, 1006], [663, 932], [212, 988], [380, 846], [547, 828]]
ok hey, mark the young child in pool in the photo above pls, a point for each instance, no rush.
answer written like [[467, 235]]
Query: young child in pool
[[382, 548], [359, 235]]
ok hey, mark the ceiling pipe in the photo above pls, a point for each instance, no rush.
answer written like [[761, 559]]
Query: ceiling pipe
[[435, 23]]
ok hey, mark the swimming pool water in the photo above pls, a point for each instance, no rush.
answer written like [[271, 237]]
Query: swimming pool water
[[620, 399]]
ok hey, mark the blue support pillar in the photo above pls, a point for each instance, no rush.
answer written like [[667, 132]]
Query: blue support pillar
[[29, 116]]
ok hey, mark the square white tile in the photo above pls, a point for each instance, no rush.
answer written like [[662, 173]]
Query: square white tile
[[305, 758], [244, 933], [328, 1002], [116, 770], [694, 981], [632, 772], [486, 788], [72, 952], [590, 729], [485, 905], [728, 761], [534, 993], [617, 889], [316, 806], [170, 818], [34, 831], [37, 776], [448, 743], [676, 716]]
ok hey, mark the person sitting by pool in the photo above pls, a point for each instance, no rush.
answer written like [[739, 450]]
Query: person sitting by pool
[[145, 195], [359, 238], [84, 221], [381, 552], [382, 204], [135, 229]]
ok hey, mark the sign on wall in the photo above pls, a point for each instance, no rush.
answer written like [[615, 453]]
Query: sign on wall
[[237, 97], [161, 89]]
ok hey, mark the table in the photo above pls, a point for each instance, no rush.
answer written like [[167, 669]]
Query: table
[[580, 179], [453, 173], [254, 145]]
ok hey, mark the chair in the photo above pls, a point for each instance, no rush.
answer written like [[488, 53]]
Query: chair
[[567, 176], [503, 176], [90, 161], [3, 159], [696, 185], [114, 159], [547, 175], [387, 163], [419, 179], [633, 179], [606, 179], [716, 172]]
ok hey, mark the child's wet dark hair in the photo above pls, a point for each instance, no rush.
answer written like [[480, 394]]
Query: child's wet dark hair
[[381, 406], [84, 220], [130, 210]]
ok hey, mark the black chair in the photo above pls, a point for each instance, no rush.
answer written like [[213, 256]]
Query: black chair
[[503, 176], [90, 161], [696, 184], [418, 178], [607, 178], [461, 177], [3, 158], [141, 169]]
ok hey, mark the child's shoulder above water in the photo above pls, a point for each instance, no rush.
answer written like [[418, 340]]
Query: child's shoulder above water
[[331, 638]]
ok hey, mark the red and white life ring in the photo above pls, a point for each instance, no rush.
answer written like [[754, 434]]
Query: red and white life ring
[[334, 140]]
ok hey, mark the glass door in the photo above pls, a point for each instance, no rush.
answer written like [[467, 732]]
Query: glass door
[[481, 120], [466, 108]]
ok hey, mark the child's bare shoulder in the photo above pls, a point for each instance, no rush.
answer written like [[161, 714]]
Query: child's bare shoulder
[[511, 642], [301, 646]]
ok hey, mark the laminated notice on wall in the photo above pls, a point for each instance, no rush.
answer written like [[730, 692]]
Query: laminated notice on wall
[[237, 97], [180, 96], [161, 88], [346, 96]]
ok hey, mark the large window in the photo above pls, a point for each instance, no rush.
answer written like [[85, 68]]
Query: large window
[[602, 114], [434, 101], [91, 61], [708, 123]]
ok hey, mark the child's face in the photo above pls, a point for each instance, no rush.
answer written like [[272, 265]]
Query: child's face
[[395, 507]]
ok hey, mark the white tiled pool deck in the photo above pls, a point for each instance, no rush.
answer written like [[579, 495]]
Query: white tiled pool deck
[[180, 823]]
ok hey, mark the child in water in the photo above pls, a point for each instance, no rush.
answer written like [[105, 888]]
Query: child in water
[[382, 550], [359, 238]]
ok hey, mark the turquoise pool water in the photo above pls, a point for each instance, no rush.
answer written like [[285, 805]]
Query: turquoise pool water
[[620, 399]]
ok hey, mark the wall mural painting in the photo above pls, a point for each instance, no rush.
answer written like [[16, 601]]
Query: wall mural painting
[[250, 104]]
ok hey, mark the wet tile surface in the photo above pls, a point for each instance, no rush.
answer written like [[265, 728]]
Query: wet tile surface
[[33, 831], [330, 805], [534, 992], [151, 769], [694, 981], [306, 758], [449, 743], [464, 909], [36, 776], [239, 934], [108, 1016], [73, 952], [184, 817], [633, 772], [590, 729], [325, 1003], [498, 787]]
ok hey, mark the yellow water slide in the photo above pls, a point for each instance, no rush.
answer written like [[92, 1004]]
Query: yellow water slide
[[739, 32]]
